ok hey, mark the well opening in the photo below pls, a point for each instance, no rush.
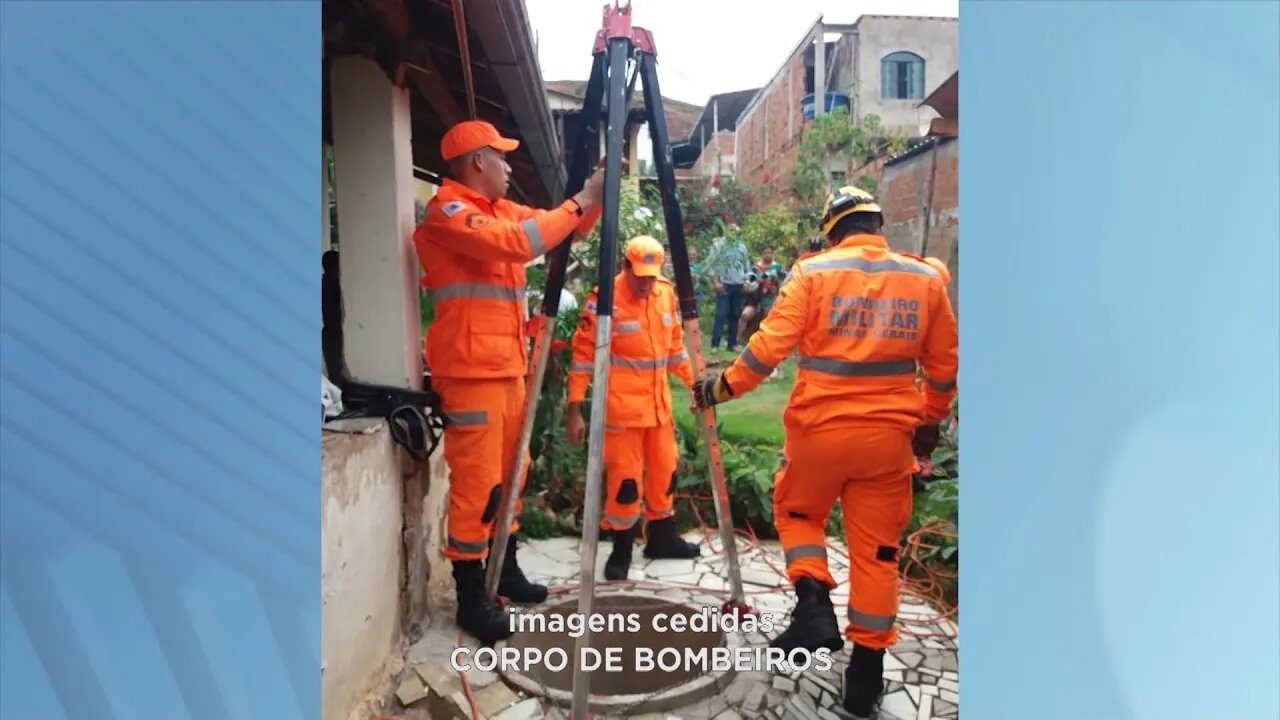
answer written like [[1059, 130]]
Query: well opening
[[634, 627]]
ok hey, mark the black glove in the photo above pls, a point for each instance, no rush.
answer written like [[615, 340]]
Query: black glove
[[711, 391], [925, 440]]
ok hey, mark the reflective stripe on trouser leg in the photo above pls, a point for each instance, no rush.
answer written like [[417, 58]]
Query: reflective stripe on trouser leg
[[660, 459], [805, 489], [461, 549], [624, 469], [876, 511], [473, 442], [871, 623]]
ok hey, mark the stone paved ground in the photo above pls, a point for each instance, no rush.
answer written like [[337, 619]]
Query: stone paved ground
[[921, 670]]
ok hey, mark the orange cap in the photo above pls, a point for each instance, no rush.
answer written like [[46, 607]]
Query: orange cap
[[646, 256], [472, 135]]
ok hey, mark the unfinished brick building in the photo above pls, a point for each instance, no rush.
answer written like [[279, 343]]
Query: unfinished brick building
[[882, 65]]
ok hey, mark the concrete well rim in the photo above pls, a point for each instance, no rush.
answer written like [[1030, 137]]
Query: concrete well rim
[[679, 695]]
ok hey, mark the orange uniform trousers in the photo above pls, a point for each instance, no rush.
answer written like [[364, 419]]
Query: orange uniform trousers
[[638, 461], [483, 419], [867, 468]]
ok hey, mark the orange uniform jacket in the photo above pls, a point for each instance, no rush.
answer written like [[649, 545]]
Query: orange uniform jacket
[[473, 254], [863, 319], [647, 343]]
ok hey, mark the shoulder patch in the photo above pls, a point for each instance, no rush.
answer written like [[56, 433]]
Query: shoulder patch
[[452, 208]]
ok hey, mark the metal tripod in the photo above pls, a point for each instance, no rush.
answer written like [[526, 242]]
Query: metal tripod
[[582, 148], [608, 87]]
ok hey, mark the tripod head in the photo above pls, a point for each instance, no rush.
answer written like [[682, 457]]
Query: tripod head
[[617, 24]]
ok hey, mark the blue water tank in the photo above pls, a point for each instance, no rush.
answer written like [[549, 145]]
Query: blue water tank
[[834, 100]]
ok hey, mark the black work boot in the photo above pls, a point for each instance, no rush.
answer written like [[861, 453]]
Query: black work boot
[[813, 622], [513, 585], [619, 562], [863, 682], [477, 613], [665, 544]]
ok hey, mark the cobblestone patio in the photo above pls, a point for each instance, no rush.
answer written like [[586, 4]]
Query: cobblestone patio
[[921, 670]]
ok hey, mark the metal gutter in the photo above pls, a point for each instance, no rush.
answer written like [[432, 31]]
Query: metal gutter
[[921, 146], [503, 29]]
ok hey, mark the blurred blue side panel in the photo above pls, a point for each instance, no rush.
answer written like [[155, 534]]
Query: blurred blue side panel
[[159, 327], [1120, 519]]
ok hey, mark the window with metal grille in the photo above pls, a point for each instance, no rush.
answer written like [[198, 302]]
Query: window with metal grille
[[902, 76]]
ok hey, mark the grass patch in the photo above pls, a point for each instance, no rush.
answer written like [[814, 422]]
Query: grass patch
[[754, 418]]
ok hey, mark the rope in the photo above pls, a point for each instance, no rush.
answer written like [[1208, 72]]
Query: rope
[[916, 576], [466, 686]]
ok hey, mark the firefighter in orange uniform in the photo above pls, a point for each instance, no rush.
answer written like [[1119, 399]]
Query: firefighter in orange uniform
[[473, 245], [640, 442], [863, 318]]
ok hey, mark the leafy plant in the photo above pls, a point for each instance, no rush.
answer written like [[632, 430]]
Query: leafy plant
[[774, 227], [708, 205], [537, 523], [835, 142], [748, 470], [638, 214]]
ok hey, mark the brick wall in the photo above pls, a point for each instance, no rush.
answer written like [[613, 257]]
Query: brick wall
[[904, 194], [769, 135], [706, 165]]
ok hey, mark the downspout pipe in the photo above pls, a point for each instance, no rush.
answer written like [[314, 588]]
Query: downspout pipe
[[928, 208]]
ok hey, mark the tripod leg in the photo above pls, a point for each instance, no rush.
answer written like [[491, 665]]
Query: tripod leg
[[584, 144], [689, 311], [619, 48]]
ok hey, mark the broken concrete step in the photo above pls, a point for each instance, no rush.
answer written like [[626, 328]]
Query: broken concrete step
[[438, 679], [411, 689], [495, 699], [455, 707]]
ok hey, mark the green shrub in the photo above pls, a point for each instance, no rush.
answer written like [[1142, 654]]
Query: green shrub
[[538, 523], [748, 471], [936, 510]]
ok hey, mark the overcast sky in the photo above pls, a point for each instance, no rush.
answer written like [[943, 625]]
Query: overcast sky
[[704, 46]]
